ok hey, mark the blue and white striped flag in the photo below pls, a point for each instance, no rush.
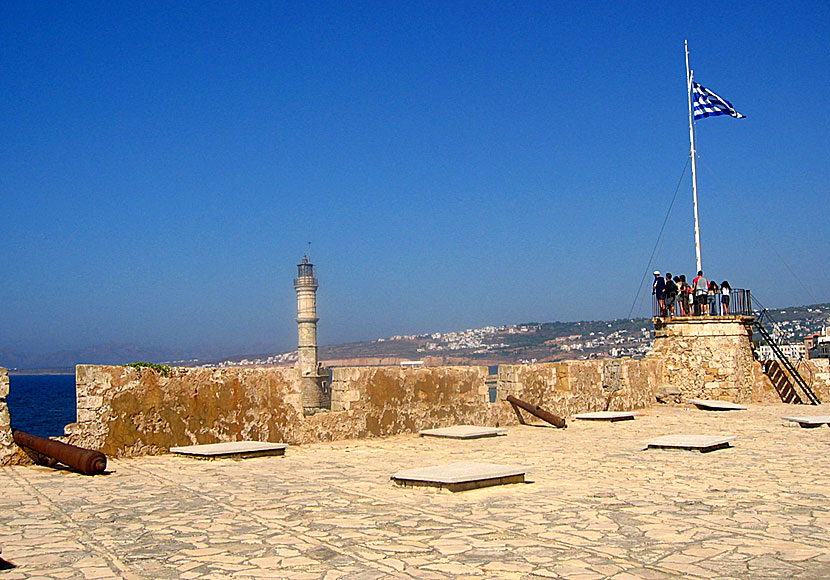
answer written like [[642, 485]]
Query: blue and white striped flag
[[708, 104]]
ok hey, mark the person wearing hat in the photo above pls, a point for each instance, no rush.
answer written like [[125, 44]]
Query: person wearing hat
[[659, 291]]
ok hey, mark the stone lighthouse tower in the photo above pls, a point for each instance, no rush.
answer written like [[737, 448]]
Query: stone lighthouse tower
[[311, 378]]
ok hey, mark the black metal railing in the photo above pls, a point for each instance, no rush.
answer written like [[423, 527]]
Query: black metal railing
[[737, 303], [305, 281]]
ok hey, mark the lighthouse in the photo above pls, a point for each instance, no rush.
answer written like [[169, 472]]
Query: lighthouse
[[312, 380]]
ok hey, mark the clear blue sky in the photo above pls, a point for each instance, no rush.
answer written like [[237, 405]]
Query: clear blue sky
[[163, 165]]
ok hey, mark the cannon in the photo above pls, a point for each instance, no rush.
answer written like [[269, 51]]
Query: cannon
[[85, 461], [536, 410]]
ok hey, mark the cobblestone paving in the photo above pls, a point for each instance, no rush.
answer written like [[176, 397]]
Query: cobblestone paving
[[597, 507]]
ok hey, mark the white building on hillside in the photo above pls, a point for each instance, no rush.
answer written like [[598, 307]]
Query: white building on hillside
[[791, 351], [818, 345]]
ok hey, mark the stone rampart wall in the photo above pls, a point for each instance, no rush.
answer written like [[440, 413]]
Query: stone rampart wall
[[8, 452], [123, 411], [570, 387], [378, 401]]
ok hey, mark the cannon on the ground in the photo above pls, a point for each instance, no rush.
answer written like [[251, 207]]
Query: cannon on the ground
[[86, 461], [536, 410]]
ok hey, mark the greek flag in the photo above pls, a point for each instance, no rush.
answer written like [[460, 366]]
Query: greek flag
[[708, 104]]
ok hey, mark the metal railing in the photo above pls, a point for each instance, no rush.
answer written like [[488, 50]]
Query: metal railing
[[305, 281], [738, 304]]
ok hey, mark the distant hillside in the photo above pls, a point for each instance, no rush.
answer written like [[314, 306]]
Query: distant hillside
[[531, 341]]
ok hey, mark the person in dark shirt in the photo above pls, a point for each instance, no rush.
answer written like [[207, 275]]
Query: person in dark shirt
[[671, 294], [659, 292]]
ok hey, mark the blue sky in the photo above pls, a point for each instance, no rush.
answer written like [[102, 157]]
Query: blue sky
[[454, 165]]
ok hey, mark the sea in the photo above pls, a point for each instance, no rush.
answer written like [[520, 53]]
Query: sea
[[41, 404]]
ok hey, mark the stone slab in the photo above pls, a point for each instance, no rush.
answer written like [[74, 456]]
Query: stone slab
[[812, 421], [715, 405], [702, 443], [461, 476], [607, 416], [233, 449], [463, 432]]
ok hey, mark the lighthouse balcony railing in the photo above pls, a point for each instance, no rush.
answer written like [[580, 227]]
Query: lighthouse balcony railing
[[739, 303], [305, 280]]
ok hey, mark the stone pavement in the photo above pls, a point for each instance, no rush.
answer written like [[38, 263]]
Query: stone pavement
[[597, 507]]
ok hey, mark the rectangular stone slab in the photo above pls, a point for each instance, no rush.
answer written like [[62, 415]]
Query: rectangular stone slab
[[813, 421], [607, 416], [715, 405], [461, 476], [463, 432], [702, 443], [234, 449]]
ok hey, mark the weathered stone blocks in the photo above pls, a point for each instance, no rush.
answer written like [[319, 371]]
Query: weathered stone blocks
[[571, 387], [8, 452], [387, 400], [711, 358], [125, 411]]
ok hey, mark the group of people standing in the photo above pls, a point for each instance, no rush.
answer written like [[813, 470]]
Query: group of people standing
[[676, 297]]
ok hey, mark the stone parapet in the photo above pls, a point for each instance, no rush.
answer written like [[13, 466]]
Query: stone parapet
[[125, 411], [704, 326], [122, 411], [377, 401], [8, 453], [570, 387]]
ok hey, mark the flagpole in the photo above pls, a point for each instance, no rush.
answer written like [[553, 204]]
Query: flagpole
[[689, 75]]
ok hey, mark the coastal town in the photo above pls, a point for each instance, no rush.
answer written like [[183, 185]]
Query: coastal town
[[545, 342]]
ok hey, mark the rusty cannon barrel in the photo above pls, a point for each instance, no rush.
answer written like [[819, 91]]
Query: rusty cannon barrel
[[538, 411], [86, 461]]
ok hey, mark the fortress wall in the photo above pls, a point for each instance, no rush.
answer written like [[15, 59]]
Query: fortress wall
[[8, 453], [387, 400], [124, 411], [379, 401], [570, 387]]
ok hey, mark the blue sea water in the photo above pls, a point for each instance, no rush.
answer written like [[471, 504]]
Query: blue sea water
[[41, 404]]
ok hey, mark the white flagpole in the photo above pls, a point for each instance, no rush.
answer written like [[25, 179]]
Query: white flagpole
[[689, 76]]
